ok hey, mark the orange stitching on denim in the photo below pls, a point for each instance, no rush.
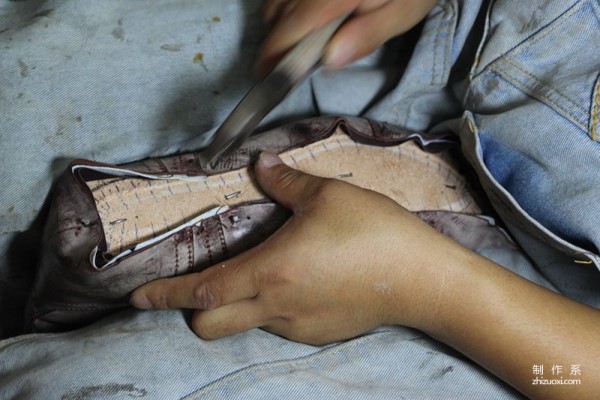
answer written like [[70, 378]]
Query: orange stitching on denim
[[546, 30], [595, 116], [538, 82], [540, 96], [535, 37]]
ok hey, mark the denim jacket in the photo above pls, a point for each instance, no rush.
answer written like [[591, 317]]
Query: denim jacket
[[520, 85], [517, 81]]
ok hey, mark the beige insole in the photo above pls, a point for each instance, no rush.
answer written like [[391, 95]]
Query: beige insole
[[134, 209]]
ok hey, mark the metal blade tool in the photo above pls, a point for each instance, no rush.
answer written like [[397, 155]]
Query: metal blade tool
[[288, 73]]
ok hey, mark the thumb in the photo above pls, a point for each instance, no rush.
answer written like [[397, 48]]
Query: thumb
[[289, 187]]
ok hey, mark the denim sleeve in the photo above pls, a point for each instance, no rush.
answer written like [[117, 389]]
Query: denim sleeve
[[531, 131]]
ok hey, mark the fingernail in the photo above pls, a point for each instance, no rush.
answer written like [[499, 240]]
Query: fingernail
[[141, 301], [338, 56], [269, 160]]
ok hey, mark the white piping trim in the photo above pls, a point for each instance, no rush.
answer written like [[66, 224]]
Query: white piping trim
[[195, 221]]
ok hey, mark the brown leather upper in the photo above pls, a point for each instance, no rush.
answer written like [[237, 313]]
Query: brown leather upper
[[69, 291]]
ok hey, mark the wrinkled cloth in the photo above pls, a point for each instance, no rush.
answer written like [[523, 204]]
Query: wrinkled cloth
[[119, 81]]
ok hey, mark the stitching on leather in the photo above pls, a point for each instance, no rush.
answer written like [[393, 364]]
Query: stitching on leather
[[595, 116], [206, 238], [181, 163], [176, 243], [196, 158], [161, 165], [189, 236], [224, 251]]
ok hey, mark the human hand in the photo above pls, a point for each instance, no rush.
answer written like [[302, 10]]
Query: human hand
[[372, 23], [347, 261]]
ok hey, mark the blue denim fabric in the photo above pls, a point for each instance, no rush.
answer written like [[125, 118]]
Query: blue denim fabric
[[98, 80], [115, 81], [531, 133], [156, 356], [118, 81], [526, 106]]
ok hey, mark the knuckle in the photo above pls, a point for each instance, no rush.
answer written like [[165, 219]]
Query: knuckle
[[206, 297], [161, 301], [288, 178]]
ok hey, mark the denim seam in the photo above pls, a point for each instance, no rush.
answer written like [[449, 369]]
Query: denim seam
[[595, 111], [450, 40], [435, 52], [596, 7], [303, 360], [524, 221], [176, 245], [534, 37], [436, 77], [538, 82], [547, 29], [500, 196], [482, 43], [519, 84]]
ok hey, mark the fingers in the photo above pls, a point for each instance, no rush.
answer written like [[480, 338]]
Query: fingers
[[220, 313], [351, 43], [219, 285], [291, 188], [296, 20], [228, 295], [274, 10], [230, 319], [372, 23]]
